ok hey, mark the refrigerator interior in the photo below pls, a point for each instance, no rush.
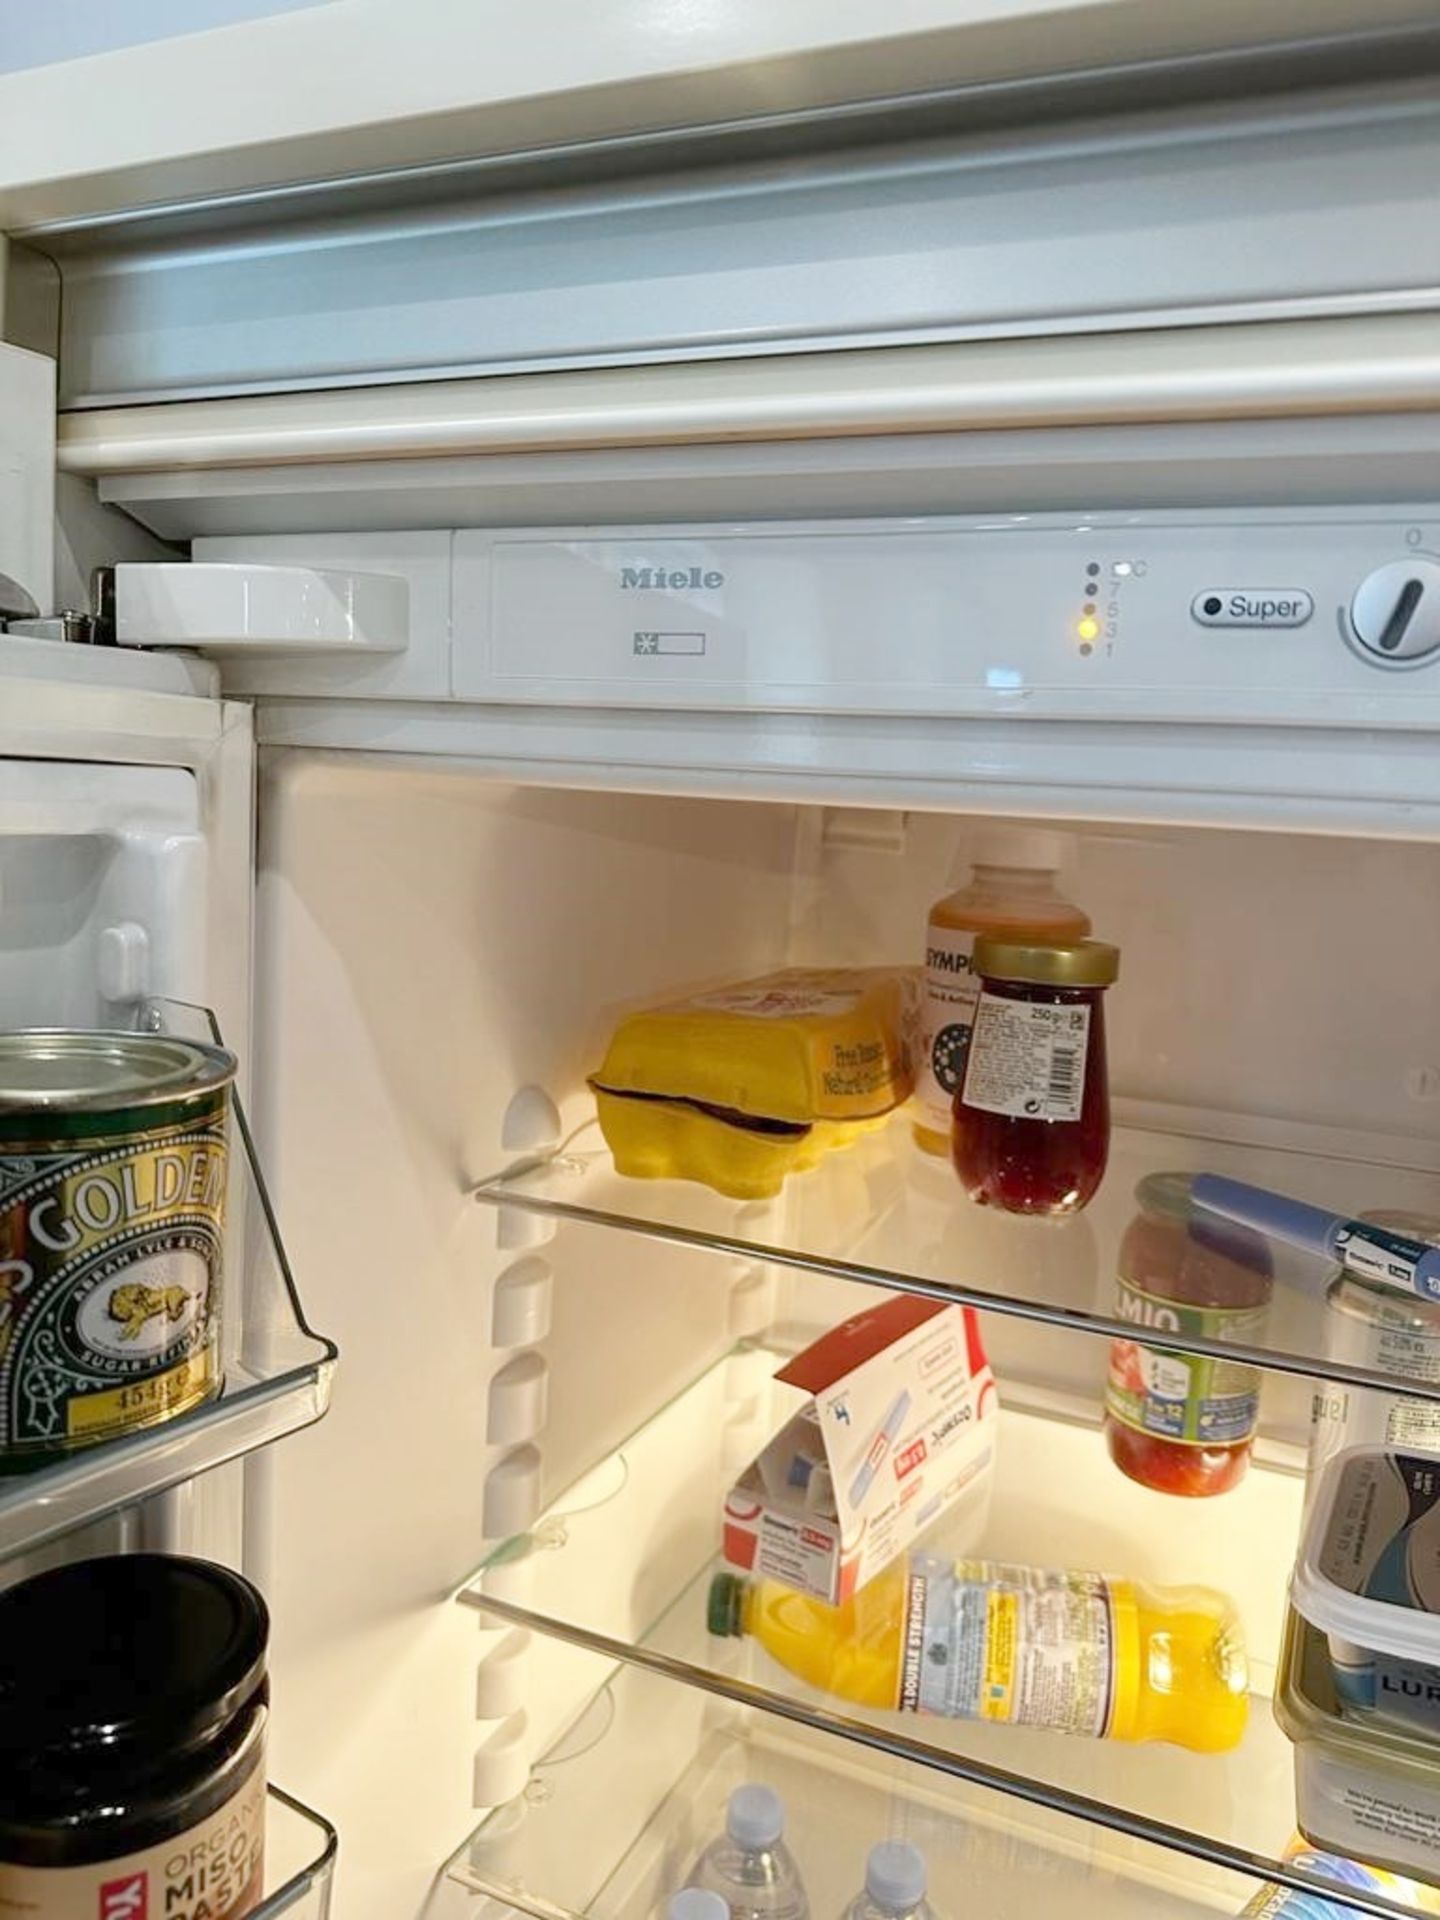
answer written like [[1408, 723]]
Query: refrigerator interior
[[1176, 299], [440, 957]]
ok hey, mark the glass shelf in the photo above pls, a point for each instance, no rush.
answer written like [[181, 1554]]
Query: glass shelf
[[885, 1214], [621, 1563], [618, 1809], [300, 1849], [277, 1369]]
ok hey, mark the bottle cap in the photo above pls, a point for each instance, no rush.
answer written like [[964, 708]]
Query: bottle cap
[[696, 1903], [895, 1875], [1078, 963], [1034, 848], [755, 1817], [723, 1604]]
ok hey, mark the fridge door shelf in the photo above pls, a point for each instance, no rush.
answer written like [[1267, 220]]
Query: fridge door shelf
[[619, 1568], [300, 1850], [885, 1214], [277, 1369], [646, 1768]]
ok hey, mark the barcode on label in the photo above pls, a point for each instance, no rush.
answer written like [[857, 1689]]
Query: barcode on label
[[1064, 1071]]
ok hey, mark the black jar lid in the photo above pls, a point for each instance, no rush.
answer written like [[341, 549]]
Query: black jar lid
[[136, 1652]]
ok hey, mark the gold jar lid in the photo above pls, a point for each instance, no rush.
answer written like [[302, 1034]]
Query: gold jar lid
[[1077, 963]]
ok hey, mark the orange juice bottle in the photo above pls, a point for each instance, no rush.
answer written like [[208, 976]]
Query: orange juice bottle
[[983, 1640], [1011, 894]]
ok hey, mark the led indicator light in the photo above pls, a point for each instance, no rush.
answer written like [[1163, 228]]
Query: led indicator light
[[1088, 629], [1122, 569]]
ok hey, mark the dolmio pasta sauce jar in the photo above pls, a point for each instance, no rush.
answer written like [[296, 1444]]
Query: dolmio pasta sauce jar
[[133, 1711]]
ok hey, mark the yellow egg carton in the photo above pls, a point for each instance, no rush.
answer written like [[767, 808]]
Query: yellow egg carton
[[740, 1087]]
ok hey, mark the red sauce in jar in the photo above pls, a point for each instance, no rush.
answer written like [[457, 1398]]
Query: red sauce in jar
[[1031, 1126], [1184, 1423]]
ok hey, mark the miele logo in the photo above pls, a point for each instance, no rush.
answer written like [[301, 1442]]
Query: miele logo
[[670, 579], [1252, 607]]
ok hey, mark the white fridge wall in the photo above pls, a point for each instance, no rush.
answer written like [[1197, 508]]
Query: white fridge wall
[[429, 943], [1252, 964], [87, 852]]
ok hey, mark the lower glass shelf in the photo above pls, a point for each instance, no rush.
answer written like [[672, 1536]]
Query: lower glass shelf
[[277, 1370], [620, 1565], [617, 1811], [300, 1850]]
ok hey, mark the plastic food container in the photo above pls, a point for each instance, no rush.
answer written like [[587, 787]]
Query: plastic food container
[[1364, 1787], [740, 1087], [1368, 1577]]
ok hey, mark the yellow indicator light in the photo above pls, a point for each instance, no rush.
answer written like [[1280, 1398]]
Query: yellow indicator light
[[1088, 629]]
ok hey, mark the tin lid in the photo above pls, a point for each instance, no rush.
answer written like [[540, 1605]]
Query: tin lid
[[1077, 963], [1368, 1570], [145, 1652], [62, 1070]]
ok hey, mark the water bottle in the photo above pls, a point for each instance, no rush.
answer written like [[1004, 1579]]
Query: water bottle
[[696, 1903], [894, 1885], [749, 1865]]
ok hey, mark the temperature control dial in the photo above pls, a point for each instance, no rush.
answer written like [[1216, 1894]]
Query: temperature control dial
[[1395, 614]]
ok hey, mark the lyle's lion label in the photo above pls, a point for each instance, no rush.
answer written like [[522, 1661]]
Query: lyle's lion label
[[111, 1230]]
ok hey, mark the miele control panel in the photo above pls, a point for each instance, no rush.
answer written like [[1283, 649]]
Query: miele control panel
[[1328, 617]]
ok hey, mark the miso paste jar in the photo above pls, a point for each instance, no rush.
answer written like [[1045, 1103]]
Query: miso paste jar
[[1030, 1130], [133, 1711]]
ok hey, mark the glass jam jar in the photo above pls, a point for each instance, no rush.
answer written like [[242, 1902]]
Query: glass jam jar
[[1184, 1423], [1030, 1128]]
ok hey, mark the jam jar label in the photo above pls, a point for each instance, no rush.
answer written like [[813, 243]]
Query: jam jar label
[[1027, 1058], [214, 1870], [110, 1255]]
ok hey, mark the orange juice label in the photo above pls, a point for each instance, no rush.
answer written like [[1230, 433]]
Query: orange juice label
[[1023, 1645], [1002, 1625]]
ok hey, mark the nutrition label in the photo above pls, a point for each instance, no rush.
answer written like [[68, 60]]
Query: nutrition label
[[1027, 1058], [987, 1641]]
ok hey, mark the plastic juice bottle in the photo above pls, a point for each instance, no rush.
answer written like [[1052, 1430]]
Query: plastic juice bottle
[[982, 1640], [1011, 893]]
